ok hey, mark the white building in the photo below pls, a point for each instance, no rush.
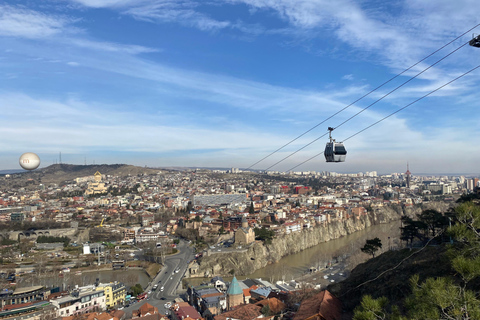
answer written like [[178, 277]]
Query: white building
[[80, 301], [292, 227]]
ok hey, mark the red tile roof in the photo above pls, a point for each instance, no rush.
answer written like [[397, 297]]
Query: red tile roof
[[322, 306], [274, 305], [242, 312]]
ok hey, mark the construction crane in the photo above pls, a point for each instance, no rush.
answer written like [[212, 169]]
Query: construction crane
[[101, 224]]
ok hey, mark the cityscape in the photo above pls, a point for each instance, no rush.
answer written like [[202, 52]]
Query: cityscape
[[173, 244]]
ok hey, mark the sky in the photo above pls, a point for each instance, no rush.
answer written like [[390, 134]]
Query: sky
[[224, 83]]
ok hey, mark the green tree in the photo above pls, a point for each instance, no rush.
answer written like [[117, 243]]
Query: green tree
[[412, 229], [266, 310], [371, 246], [136, 289], [264, 234], [375, 309], [441, 298], [433, 221], [453, 296], [252, 208]]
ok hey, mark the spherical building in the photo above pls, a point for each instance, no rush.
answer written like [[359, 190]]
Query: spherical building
[[29, 161]]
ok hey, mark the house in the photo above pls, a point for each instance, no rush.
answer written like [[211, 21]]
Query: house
[[145, 310], [182, 311], [243, 312], [322, 306]]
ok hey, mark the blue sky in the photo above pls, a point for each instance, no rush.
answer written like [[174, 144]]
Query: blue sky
[[223, 83]]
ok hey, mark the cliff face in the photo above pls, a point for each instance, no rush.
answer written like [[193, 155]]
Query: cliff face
[[257, 255]]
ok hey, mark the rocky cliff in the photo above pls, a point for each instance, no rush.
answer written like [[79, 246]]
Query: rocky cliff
[[258, 255]]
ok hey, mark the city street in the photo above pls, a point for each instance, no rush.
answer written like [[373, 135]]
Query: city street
[[168, 279]]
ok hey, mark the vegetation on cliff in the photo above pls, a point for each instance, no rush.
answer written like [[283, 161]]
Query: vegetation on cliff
[[427, 282]]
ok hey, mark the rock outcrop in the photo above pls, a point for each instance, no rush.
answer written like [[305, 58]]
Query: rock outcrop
[[258, 255]]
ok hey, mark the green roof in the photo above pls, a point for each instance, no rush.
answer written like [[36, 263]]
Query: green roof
[[234, 287]]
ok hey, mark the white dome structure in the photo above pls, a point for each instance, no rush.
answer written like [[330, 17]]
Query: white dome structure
[[29, 161]]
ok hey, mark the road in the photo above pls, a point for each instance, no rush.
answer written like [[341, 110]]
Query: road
[[167, 279]]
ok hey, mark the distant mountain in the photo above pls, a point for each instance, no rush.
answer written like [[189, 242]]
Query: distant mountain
[[2, 172]]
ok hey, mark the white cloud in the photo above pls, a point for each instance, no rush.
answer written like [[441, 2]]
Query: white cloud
[[73, 64], [74, 126], [107, 3], [26, 23], [111, 47], [20, 22], [348, 77], [182, 12]]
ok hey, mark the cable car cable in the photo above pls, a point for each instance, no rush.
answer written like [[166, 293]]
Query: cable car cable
[[395, 112], [367, 107], [365, 95]]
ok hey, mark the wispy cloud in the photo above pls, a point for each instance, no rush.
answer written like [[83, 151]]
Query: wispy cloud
[[108, 3], [111, 47], [16, 21], [182, 12], [26, 23]]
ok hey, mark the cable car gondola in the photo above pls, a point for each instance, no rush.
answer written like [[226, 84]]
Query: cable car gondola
[[334, 151], [475, 42]]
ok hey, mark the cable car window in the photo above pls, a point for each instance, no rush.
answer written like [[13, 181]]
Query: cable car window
[[340, 150]]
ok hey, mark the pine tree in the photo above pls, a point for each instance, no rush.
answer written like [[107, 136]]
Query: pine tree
[[252, 208], [371, 246]]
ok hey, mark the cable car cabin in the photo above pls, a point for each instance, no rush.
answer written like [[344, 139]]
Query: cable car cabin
[[334, 151], [475, 42]]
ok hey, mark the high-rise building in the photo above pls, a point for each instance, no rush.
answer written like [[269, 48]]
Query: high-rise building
[[408, 176], [470, 184]]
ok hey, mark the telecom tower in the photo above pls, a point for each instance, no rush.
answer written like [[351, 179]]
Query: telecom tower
[[408, 176]]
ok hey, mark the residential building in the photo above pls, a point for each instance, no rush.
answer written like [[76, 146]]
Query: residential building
[[80, 301], [115, 293]]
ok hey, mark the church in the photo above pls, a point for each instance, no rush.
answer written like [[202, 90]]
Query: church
[[245, 234]]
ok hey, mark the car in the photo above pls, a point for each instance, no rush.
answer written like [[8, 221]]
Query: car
[[155, 287], [161, 289], [149, 292], [163, 298]]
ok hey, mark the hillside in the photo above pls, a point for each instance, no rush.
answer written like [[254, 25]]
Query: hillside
[[61, 173], [395, 285]]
